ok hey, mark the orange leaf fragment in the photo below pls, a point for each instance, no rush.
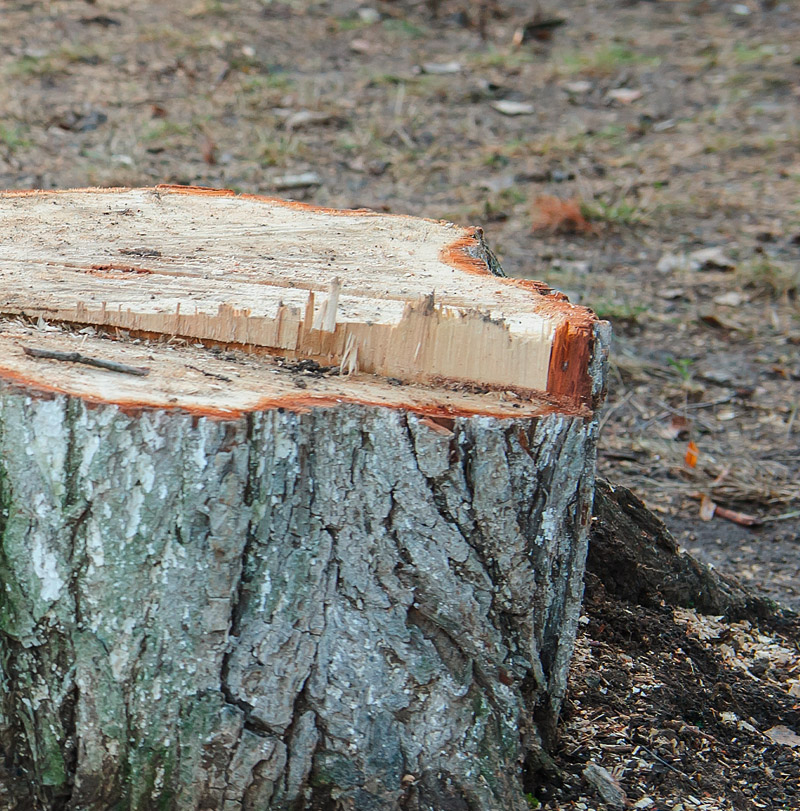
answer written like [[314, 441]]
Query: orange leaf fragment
[[692, 455], [559, 216]]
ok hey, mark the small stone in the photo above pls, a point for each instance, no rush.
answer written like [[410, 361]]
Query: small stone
[[624, 95], [730, 299], [578, 87], [441, 68], [508, 107], [300, 181], [670, 262], [369, 15], [710, 259]]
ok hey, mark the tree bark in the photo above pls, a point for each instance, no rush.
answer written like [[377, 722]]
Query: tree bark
[[242, 582], [635, 557], [286, 610]]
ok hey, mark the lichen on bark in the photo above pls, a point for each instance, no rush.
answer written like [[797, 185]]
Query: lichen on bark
[[348, 607]]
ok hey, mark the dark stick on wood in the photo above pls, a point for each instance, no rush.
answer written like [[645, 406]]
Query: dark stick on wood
[[76, 357]]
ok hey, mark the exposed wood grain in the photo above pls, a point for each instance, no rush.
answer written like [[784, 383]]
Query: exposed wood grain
[[206, 382], [396, 296]]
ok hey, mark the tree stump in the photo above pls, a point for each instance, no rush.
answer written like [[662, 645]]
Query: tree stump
[[294, 506]]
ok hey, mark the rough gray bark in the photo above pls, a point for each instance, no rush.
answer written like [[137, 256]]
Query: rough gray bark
[[634, 556], [348, 608]]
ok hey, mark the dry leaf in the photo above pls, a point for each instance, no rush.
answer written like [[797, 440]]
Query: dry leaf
[[678, 426], [301, 181], [730, 299], [365, 46], [559, 216], [209, 150]]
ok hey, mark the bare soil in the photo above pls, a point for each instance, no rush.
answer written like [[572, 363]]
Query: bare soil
[[673, 125]]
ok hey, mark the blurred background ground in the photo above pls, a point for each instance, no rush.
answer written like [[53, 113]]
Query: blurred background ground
[[641, 156]]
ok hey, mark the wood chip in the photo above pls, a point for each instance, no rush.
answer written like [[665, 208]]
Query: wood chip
[[605, 784], [783, 735]]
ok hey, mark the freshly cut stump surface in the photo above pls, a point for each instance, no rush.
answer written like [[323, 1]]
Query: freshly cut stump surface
[[293, 506]]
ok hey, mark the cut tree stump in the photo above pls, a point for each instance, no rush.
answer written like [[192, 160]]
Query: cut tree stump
[[294, 506]]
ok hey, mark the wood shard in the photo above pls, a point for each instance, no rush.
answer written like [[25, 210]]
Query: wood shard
[[399, 297]]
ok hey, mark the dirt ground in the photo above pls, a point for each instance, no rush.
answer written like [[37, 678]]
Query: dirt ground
[[669, 127]]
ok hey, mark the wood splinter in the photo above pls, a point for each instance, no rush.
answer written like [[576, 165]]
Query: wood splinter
[[76, 357]]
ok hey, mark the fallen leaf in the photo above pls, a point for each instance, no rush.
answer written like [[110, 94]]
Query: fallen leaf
[[743, 519], [539, 28], [678, 427], [364, 46], [672, 261], [559, 216], [672, 293], [663, 126], [209, 150], [294, 119], [692, 455], [714, 320]]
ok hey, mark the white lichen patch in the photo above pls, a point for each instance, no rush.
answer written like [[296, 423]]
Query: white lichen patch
[[45, 567]]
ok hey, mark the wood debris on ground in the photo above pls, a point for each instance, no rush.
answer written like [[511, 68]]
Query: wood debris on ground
[[687, 712]]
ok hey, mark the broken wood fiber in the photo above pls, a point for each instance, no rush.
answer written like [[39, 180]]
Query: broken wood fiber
[[331, 546]]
